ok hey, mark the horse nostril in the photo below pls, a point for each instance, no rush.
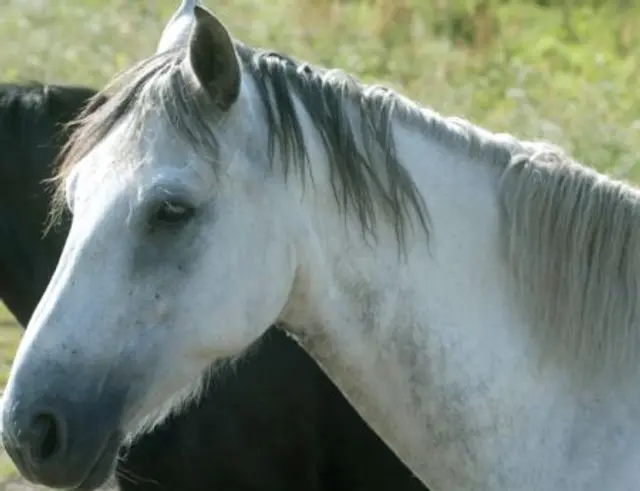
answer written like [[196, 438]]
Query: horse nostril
[[46, 438]]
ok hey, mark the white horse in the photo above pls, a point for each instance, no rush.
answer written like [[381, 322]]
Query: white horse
[[476, 297]]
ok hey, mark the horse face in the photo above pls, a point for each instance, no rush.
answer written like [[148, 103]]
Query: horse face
[[166, 252]]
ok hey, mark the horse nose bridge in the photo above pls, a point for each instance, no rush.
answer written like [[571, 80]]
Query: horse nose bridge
[[56, 339], [60, 281], [73, 304]]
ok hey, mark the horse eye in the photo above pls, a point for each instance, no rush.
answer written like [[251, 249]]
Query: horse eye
[[172, 213]]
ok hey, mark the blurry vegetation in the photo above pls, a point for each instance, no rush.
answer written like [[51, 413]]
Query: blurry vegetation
[[562, 70]]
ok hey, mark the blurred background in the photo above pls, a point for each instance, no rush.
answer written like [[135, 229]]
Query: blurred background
[[561, 70]]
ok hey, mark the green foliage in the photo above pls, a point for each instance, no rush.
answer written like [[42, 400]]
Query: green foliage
[[555, 69]]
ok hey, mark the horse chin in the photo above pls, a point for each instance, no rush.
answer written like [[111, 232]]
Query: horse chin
[[104, 467]]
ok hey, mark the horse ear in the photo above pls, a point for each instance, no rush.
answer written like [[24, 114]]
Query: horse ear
[[177, 30], [213, 59]]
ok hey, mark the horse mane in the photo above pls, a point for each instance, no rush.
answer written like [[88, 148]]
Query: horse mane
[[569, 232], [572, 237], [54, 102], [13, 99], [37, 111], [11, 92], [365, 171], [31, 108]]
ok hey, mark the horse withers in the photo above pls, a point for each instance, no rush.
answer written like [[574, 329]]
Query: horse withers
[[272, 423]]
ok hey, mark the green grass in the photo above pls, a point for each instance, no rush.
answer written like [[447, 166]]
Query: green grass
[[512, 66], [9, 337], [538, 72], [10, 334]]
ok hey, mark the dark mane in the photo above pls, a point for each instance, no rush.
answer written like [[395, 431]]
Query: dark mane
[[30, 109], [353, 121], [21, 107], [42, 100]]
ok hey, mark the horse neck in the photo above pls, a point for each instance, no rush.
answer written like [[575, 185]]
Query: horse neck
[[442, 320], [359, 270], [434, 349]]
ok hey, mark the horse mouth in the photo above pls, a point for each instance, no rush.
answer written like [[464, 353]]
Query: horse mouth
[[103, 467]]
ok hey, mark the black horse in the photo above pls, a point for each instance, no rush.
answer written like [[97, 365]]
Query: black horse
[[274, 422]]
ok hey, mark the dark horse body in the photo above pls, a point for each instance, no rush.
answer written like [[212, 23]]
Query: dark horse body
[[273, 422]]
